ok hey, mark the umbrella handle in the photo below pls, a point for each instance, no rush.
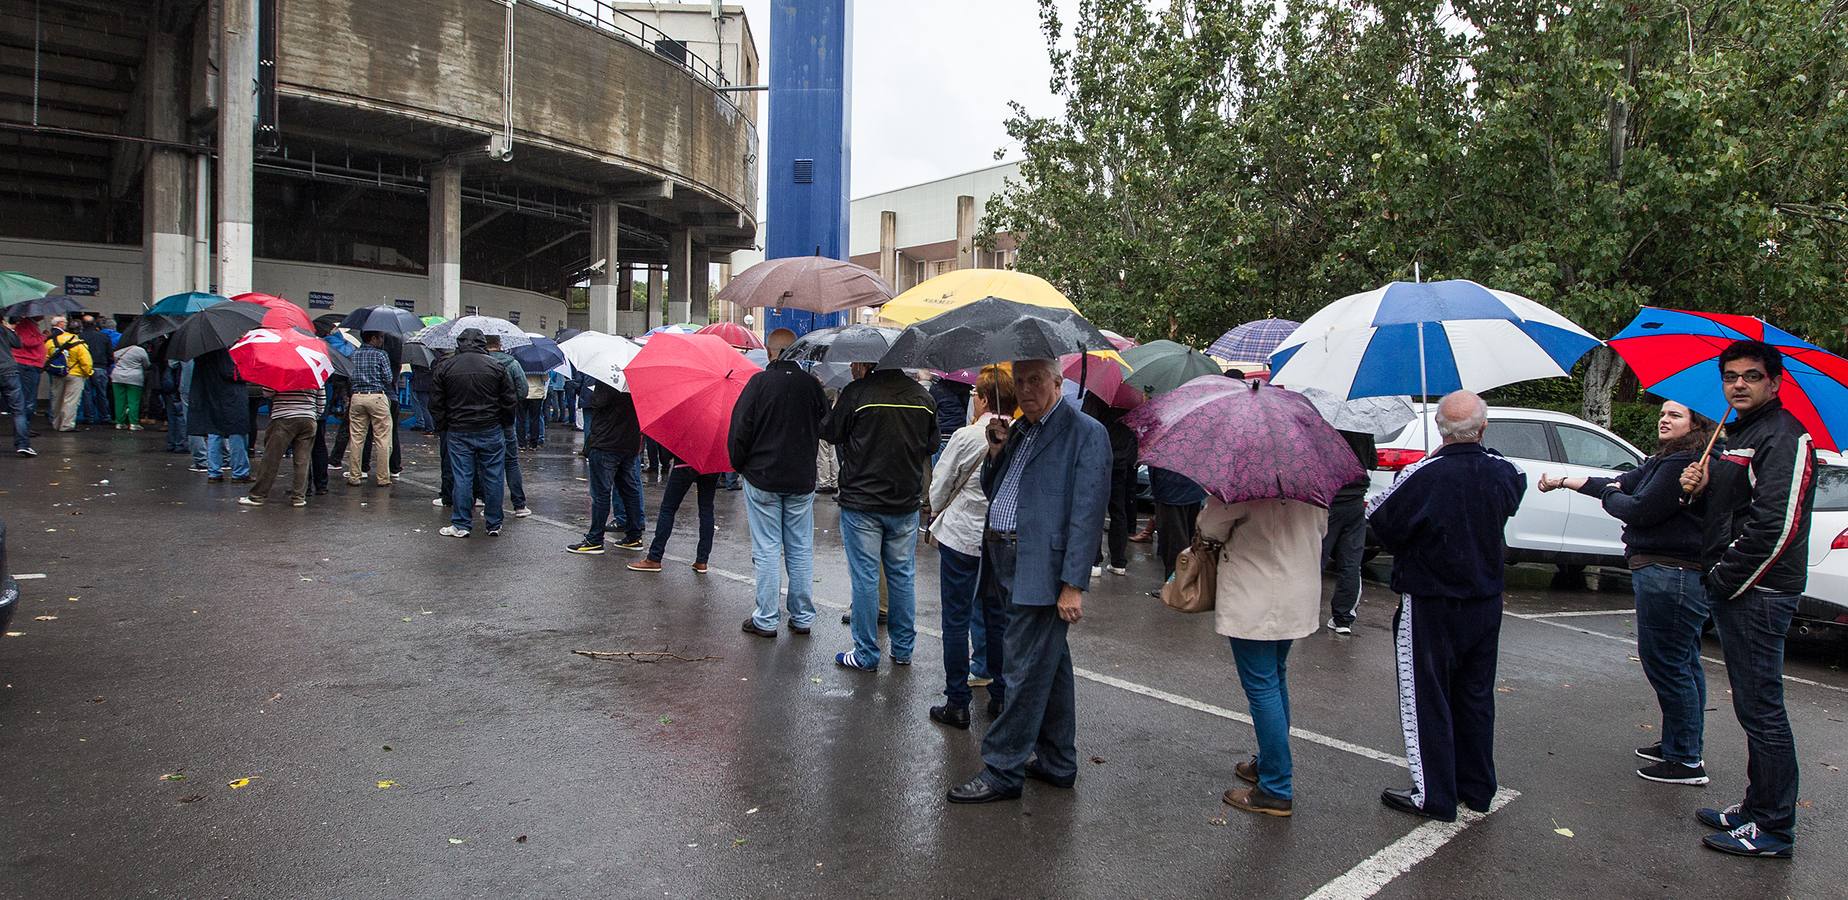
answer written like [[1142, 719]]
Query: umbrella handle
[[1687, 497]]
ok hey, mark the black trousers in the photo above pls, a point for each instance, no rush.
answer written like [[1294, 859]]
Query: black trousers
[[1446, 652], [317, 473], [1174, 532], [1342, 550], [1122, 509]]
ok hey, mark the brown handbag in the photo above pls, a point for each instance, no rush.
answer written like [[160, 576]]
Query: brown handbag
[[1196, 577]]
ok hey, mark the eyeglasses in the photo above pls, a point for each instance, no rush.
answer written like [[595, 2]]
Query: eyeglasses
[[1749, 377]]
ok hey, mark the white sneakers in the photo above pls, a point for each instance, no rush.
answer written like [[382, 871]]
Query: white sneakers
[[453, 531]]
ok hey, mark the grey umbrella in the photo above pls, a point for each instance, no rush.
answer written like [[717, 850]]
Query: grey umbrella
[[383, 319], [992, 330], [443, 336], [843, 344], [814, 283]]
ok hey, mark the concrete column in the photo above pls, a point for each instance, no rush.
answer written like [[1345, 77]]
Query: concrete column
[[201, 224], [631, 312], [655, 312], [888, 247], [699, 287], [446, 241], [965, 232], [237, 109], [679, 275], [605, 282], [166, 246]]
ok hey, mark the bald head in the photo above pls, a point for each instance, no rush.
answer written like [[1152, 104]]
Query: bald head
[[778, 341], [1462, 417]]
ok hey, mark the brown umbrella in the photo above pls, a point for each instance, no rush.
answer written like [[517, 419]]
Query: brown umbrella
[[814, 283]]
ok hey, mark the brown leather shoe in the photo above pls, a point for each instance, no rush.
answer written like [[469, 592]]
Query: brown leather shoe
[[645, 565], [1255, 800], [1247, 771], [700, 568]]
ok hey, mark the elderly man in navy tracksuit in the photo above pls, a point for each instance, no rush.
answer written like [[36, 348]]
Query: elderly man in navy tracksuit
[[1046, 478], [1442, 521]]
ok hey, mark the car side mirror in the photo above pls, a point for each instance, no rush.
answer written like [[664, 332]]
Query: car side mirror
[[1625, 466]]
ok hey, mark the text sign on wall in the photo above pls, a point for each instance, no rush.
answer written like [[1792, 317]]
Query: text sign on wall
[[406, 305], [82, 285], [320, 300], [513, 315]]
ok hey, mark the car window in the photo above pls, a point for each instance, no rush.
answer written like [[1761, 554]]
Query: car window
[[1589, 448], [1832, 488], [1521, 440]]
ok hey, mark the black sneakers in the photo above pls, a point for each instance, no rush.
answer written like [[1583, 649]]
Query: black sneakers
[[1674, 773], [587, 548], [1653, 752]]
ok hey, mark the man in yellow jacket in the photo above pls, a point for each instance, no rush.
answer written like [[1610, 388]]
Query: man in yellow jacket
[[67, 361]]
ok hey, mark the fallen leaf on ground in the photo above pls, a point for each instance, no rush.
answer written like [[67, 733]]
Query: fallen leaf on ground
[[15, 634], [44, 618], [1564, 832], [1098, 760], [457, 841], [386, 784], [173, 776], [1806, 804], [816, 679], [737, 842], [273, 698], [520, 840], [387, 748], [665, 720], [751, 812], [405, 619], [236, 783]]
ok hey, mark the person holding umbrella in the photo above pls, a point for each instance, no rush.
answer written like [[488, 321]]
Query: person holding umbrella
[[369, 406], [474, 401], [29, 355], [292, 368], [510, 458], [614, 447], [218, 412]]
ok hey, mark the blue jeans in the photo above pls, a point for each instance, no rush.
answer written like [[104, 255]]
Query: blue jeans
[[1263, 671], [1752, 630], [95, 406], [679, 481], [959, 582], [176, 424], [478, 463], [196, 444], [15, 397], [215, 446], [510, 466], [978, 639], [873, 539], [420, 407], [1671, 610], [28, 388], [615, 483], [782, 537]]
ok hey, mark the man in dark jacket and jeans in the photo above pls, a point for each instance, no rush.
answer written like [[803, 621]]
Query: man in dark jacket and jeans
[[1442, 521], [1345, 545], [775, 432], [473, 401], [614, 447], [886, 427], [1759, 495]]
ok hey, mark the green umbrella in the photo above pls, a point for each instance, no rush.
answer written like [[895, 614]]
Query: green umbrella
[[17, 286], [1161, 366], [434, 320]]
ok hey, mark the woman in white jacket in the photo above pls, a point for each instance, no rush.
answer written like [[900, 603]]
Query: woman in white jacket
[[1268, 593], [956, 493]]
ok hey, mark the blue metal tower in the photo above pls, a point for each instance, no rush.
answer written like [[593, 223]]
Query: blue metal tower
[[811, 88]]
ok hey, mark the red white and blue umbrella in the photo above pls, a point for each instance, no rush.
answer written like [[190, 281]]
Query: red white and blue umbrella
[[1427, 339], [1252, 341], [1675, 354]]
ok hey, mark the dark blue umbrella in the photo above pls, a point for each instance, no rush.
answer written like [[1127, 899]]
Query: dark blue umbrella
[[541, 355], [383, 319]]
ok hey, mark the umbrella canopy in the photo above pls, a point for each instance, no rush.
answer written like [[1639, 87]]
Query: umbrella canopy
[[53, 305], [282, 314], [685, 387], [1161, 366], [150, 327], [601, 356], [565, 334], [992, 330], [282, 359], [814, 283], [1244, 441], [18, 286], [1675, 354], [185, 304], [964, 286], [1427, 339], [1377, 416], [1103, 377], [1116, 340], [214, 328], [843, 344], [418, 356], [833, 376], [442, 336], [734, 334], [383, 319], [540, 356], [1252, 341], [326, 323], [433, 320]]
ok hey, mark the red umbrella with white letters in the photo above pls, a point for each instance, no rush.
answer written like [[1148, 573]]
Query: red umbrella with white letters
[[282, 359]]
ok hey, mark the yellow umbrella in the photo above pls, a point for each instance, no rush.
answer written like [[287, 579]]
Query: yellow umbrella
[[953, 289]]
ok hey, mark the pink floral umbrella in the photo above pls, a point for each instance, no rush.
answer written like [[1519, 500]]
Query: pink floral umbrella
[[1245, 440]]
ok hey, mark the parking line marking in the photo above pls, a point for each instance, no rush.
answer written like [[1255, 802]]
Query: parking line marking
[[1576, 614], [1631, 642], [1374, 873]]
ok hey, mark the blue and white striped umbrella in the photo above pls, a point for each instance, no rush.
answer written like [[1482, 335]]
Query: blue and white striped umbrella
[[1473, 338]]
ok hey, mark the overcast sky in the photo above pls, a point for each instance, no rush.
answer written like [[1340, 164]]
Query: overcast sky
[[931, 83]]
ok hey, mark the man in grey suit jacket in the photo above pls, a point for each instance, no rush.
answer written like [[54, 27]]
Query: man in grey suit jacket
[[1047, 479]]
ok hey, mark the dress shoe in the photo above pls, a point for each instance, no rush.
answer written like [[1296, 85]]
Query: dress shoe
[[953, 716], [1247, 771], [1038, 772], [1401, 800], [750, 627], [978, 790], [1255, 799]]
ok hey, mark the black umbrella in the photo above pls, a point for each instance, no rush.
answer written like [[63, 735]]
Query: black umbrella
[[388, 320], [214, 328], [992, 330], [54, 305], [325, 323], [564, 334], [418, 356], [150, 327], [843, 344]]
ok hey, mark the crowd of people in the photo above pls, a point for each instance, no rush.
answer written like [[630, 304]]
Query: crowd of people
[[1013, 482]]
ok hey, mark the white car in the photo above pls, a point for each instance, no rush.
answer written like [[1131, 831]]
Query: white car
[[1825, 599], [1563, 527]]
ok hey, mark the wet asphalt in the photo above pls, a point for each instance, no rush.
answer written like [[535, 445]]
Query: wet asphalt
[[412, 721]]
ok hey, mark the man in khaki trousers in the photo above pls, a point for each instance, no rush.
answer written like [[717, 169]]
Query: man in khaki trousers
[[370, 407]]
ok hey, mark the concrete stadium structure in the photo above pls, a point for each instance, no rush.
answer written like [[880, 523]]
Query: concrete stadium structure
[[437, 154]]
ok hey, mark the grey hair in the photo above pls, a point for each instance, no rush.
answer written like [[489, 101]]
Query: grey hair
[[1461, 418]]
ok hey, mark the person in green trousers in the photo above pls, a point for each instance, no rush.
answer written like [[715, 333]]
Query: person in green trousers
[[125, 382]]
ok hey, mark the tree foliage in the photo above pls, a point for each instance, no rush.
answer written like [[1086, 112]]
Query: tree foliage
[[1218, 161]]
